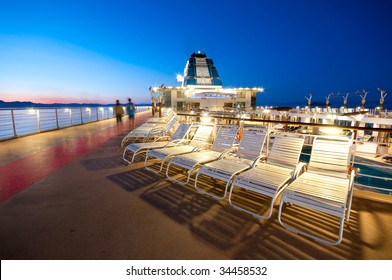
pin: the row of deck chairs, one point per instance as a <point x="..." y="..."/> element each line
<point x="323" y="185"/>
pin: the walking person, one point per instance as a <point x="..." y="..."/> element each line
<point x="131" y="109"/>
<point x="118" y="111"/>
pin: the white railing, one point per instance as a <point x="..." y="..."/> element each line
<point x="19" y="122"/>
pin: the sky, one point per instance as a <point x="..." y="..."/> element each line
<point x="84" y="51"/>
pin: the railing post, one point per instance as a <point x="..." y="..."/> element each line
<point x="13" y="123"/>
<point x="81" y="115"/>
<point x="57" y="119"/>
<point x="38" y="121"/>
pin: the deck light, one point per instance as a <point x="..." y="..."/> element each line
<point x="358" y="117"/>
<point x="331" y="131"/>
<point x="179" y="78"/>
<point x="205" y="119"/>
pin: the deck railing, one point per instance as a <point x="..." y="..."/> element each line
<point x="18" y="122"/>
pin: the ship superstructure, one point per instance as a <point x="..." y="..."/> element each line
<point x="202" y="89"/>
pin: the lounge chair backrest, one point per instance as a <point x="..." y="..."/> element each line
<point x="225" y="138"/>
<point x="172" y="125"/>
<point x="169" y="116"/>
<point x="166" y="127"/>
<point x="202" y="138"/>
<point x="286" y="150"/>
<point x="330" y="156"/>
<point x="252" y="142"/>
<point x="181" y="132"/>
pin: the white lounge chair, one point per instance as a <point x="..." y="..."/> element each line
<point x="139" y="148"/>
<point x="248" y="155"/>
<point x="326" y="186"/>
<point x="149" y="131"/>
<point x="270" y="177"/>
<point x="223" y="143"/>
<point x="167" y="113"/>
<point x="201" y="140"/>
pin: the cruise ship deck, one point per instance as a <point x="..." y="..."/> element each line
<point x="67" y="194"/>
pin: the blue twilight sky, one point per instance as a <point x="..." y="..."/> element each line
<point x="99" y="51"/>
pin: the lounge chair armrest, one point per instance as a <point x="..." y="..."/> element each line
<point x="183" y="142"/>
<point x="156" y="135"/>
<point x="160" y="138"/>
<point x="352" y="176"/>
<point x="159" y="126"/>
<point x="301" y="167"/>
<point x="257" y="160"/>
<point x="234" y="148"/>
<point x="157" y="130"/>
<point x="178" y="142"/>
<point x="207" y="146"/>
<point x="227" y="151"/>
<point x="350" y="194"/>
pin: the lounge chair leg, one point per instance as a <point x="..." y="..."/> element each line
<point x="298" y="231"/>
<point x="236" y="206"/>
<point x="189" y="174"/>
<point x="207" y="193"/>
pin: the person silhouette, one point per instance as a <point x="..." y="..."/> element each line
<point x="118" y="111"/>
<point x="131" y="109"/>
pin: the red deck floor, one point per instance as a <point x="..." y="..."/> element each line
<point x="21" y="173"/>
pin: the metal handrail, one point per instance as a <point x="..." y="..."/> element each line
<point x="16" y="122"/>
